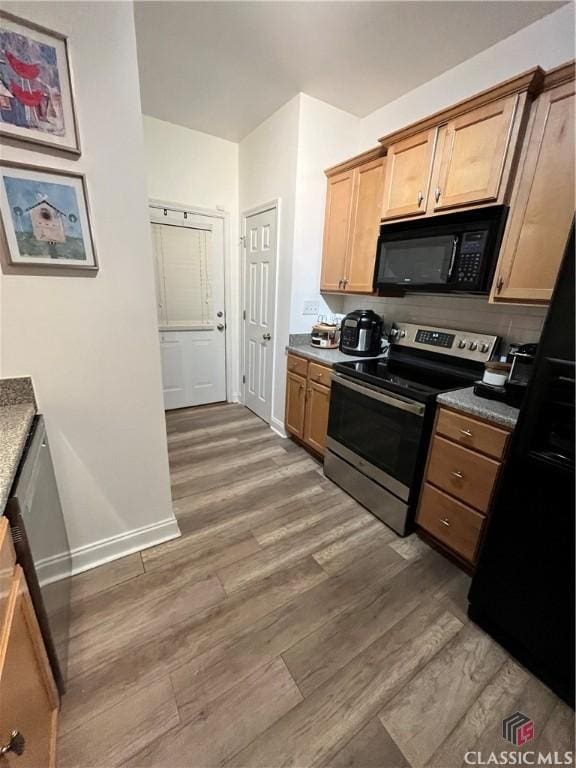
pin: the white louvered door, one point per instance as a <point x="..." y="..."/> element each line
<point x="189" y="270"/>
<point x="259" y="298"/>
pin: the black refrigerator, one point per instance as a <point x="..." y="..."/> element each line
<point x="523" y="590"/>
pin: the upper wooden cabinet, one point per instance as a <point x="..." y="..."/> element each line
<point x="542" y="205"/>
<point x="472" y="156"/>
<point x="461" y="157"/>
<point x="352" y="223"/>
<point x="408" y="171"/>
<point x="336" y="229"/>
<point x="364" y="226"/>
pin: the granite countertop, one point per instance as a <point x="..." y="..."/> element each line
<point x="17" y="411"/>
<point x="299" y="344"/>
<point x="492" y="410"/>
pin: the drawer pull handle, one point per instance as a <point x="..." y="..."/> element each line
<point x="466" y="432"/>
<point x="16" y="744"/>
<point x="457" y="474"/>
<point x="445" y="521"/>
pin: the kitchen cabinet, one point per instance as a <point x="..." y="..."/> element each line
<point x="408" y="172"/>
<point x="316" y="419"/>
<point x="542" y="204"/>
<point x="28" y="696"/>
<point x="336" y="230"/>
<point x="464" y="463"/>
<point x="308" y="401"/>
<point x="461" y="157"/>
<point x="472" y="155"/>
<point x="352" y="223"/>
<point x="295" y="404"/>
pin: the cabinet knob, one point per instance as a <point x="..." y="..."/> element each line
<point x="466" y="432"/>
<point x="420" y="198"/>
<point x="457" y="474"/>
<point x="445" y="521"/>
<point x="16" y="744"/>
<point x="437" y="194"/>
<point x="499" y="284"/>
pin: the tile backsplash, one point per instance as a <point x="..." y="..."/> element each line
<point x="466" y="313"/>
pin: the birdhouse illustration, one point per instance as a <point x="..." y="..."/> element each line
<point x="47" y="222"/>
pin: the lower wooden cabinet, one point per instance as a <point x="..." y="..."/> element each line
<point x="307" y="401"/>
<point x="295" y="404"/>
<point x="316" y="419"/>
<point x="28" y="696"/>
<point x="464" y="463"/>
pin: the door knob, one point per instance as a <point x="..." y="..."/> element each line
<point x="220" y="326"/>
<point x="266" y="336"/>
<point x="16" y="744"/>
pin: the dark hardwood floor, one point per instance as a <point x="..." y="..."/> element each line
<point x="287" y="627"/>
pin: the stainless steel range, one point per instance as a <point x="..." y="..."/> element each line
<point x="381" y="414"/>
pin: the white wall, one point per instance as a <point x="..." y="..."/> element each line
<point x="326" y="135"/>
<point x="199" y="170"/>
<point x="90" y="343"/>
<point x="547" y="43"/>
<point x="268" y="159"/>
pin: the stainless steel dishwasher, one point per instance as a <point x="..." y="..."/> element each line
<point x="42" y="548"/>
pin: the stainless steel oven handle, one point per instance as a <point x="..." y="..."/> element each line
<point x="368" y="391"/>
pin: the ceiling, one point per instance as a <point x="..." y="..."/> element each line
<point x="224" y="67"/>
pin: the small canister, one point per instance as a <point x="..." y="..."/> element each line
<point x="496" y="374"/>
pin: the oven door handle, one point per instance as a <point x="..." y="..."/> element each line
<point x="367" y="391"/>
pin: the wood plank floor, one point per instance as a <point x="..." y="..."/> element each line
<point x="286" y="627"/>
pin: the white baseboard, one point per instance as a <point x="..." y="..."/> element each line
<point x="236" y="397"/>
<point x="104" y="551"/>
<point x="277" y="426"/>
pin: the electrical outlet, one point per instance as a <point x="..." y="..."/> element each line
<point x="311" y="308"/>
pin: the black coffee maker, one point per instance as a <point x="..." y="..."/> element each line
<point x="361" y="333"/>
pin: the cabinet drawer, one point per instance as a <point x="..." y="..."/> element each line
<point x="452" y="523"/>
<point x="462" y="473"/>
<point x="297" y="365"/>
<point x="320" y="374"/>
<point x="472" y="433"/>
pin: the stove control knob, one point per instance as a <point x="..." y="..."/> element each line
<point x="485" y="347"/>
<point x="394" y="332"/>
<point x="402" y="334"/>
<point x="462" y="344"/>
<point x="472" y="346"/>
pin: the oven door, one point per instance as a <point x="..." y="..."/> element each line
<point x="376" y="431"/>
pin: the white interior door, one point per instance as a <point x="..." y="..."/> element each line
<point x="259" y="303"/>
<point x="189" y="268"/>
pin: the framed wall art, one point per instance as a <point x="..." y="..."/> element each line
<point x="46" y="217"/>
<point x="36" y="98"/>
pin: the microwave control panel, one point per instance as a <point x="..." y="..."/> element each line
<point x="469" y="264"/>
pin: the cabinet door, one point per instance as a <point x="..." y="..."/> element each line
<point x="408" y="171"/>
<point x="473" y="155"/>
<point x="364" y="226"/>
<point x="336" y="230"/>
<point x="316" y="422"/>
<point x="295" y="404"/>
<point x="542" y="205"/>
<point x="28" y="698"/>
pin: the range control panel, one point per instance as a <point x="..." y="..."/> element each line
<point x="466" y="344"/>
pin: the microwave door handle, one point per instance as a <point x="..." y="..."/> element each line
<point x="452" y="258"/>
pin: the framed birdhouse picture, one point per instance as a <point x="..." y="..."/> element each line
<point x="45" y="217"/>
<point x="36" y="99"/>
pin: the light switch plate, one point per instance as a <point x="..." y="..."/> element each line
<point x="311" y="308"/>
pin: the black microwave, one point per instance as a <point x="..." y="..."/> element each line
<point x="455" y="252"/>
